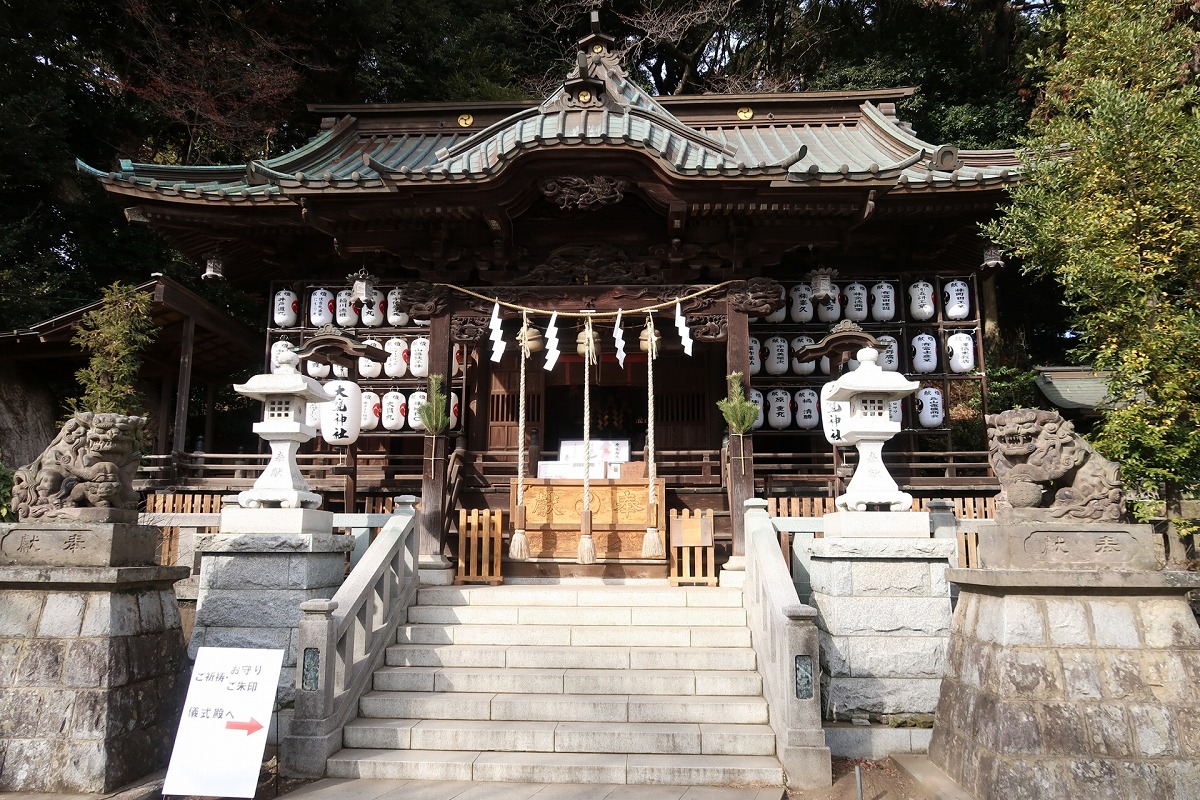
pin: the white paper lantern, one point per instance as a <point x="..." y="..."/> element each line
<point x="957" y="298"/>
<point x="802" y="367"/>
<point x="424" y="323"/>
<point x="320" y="307"/>
<point x="756" y="397"/>
<point x="889" y="359"/>
<point x="779" y="408"/>
<point x="341" y="417"/>
<point x="920" y="300"/>
<point x="344" y="311"/>
<point x="778" y="357"/>
<point x="373" y="311"/>
<point x="775" y="317"/>
<point x="396" y="365"/>
<point x="395" y="316"/>
<point x="883" y="302"/>
<point x="851" y="364"/>
<point x="286" y="312"/>
<point x="930" y="412"/>
<point x="372" y="408"/>
<point x="924" y="353"/>
<point x="456" y="360"/>
<point x="960" y="352"/>
<point x="834" y="415"/>
<point x="394" y="409"/>
<point x="800" y="305"/>
<point x="312" y="415"/>
<point x="856" y="302"/>
<point x="830" y="310"/>
<point x="418" y="360"/>
<point x="316" y="369"/>
<point x="341" y="372"/>
<point x="368" y="368"/>
<point x="415" y="401"/>
<point x="455" y="409"/>
<point x="280" y="352"/>
<point x="825" y="365"/>
<point x="808" y="409"/>
<point x="895" y="412"/>
<point x="755" y="355"/>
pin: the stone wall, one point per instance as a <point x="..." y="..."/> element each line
<point x="1053" y="695"/>
<point x="92" y="681"/>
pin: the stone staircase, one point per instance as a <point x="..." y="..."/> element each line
<point x="567" y="684"/>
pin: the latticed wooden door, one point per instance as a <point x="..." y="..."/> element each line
<point x="504" y="400"/>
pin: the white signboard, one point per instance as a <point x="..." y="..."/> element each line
<point x="219" y="748"/>
<point x="571" y="450"/>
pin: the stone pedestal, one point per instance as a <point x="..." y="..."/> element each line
<point x="254" y="574"/>
<point x="884" y="620"/>
<point x="1074" y="679"/>
<point x="877" y="524"/>
<point x="93" y="669"/>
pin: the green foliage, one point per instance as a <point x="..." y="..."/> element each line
<point x="1109" y="209"/>
<point x="114" y="335"/>
<point x="739" y="413"/>
<point x="434" y="415"/>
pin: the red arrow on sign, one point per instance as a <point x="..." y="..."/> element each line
<point x="249" y="727"/>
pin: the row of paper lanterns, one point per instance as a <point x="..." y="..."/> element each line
<point x="780" y="408"/>
<point x="402" y="360"/>
<point x="327" y="308"/>
<point x="776" y="355"/>
<point x="857" y="303"/>
<point x="354" y="411"/>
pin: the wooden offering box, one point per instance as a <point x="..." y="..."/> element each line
<point x="554" y="507"/>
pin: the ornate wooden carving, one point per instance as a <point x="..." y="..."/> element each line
<point x="422" y="300"/>
<point x="756" y="297"/>
<point x="468" y="329"/>
<point x="577" y="193"/>
<point x="588" y="265"/>
<point x="709" y="327"/>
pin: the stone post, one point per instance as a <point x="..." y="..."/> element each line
<point x="93" y="669"/>
<point x="254" y="574"/>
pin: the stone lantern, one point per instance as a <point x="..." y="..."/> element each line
<point x="856" y="406"/>
<point x="283" y="395"/>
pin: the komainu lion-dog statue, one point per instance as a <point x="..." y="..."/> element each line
<point x="90" y="464"/>
<point x="1047" y="472"/>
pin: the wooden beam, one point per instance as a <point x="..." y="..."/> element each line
<point x="183" y="386"/>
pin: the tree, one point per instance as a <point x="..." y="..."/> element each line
<point x="1109" y="207"/>
<point x="114" y="335"/>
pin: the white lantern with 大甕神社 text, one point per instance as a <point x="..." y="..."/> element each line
<point x="285" y="395"/>
<point x="341" y="417"/>
<point x="865" y="419"/>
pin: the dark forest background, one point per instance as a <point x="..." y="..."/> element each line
<point x="211" y="81"/>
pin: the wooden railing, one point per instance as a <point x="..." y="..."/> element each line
<point x="966" y="506"/>
<point x="784" y="634"/>
<point x="343" y="641"/>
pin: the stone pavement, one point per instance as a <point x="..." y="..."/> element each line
<point x="364" y="789"/>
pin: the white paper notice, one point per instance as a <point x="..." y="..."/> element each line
<point x="219" y="748"/>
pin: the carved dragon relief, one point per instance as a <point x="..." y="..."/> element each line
<point x="756" y="297"/>
<point x="421" y="300"/>
<point x="709" y="327"/>
<point x="588" y="265"/>
<point x="468" y="329"/>
<point x="577" y="193"/>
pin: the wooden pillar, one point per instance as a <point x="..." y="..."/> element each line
<point x="741" y="455"/>
<point x="183" y="386"/>
<point x="210" y="404"/>
<point x="433" y="476"/>
<point x="162" y="443"/>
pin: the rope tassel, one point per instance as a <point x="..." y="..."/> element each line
<point x="587" y="548"/>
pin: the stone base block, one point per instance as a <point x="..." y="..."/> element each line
<point x="276" y="520"/>
<point x="875" y="742"/>
<point x="877" y="524"/>
<point x="78" y="544"/>
<point x="1071" y="546"/>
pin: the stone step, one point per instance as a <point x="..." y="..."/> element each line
<point x="658" y="597"/>
<point x="564" y="707"/>
<point x="542" y="767"/>
<point x="575" y="615"/>
<point x="567" y="657"/>
<point x="561" y="737"/>
<point x="576" y="636"/>
<point x="567" y="681"/>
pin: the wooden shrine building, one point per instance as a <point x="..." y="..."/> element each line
<point x="725" y="208"/>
